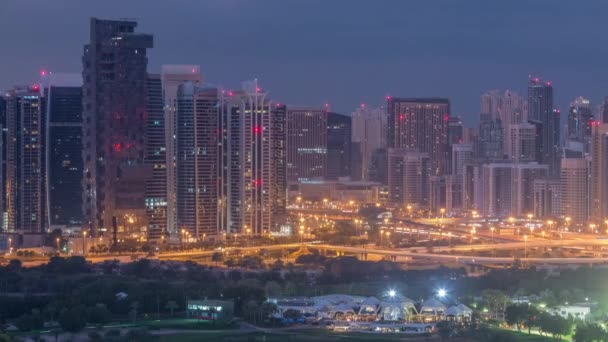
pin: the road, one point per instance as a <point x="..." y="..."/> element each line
<point x="413" y="253"/>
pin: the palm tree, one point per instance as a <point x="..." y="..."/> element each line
<point x="217" y="257"/>
<point x="171" y="305"/>
<point x="133" y="311"/>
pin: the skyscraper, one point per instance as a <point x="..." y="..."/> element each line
<point x="509" y="188"/>
<point x="306" y="143"/>
<point x="172" y="76"/>
<point x="421" y="124"/>
<point x="247" y="174"/>
<point x="599" y="170"/>
<point x="541" y="111"/>
<point x="603" y="111"/>
<point x="509" y="107"/>
<point x="521" y="142"/>
<point x="114" y="122"/>
<point x="63" y="148"/>
<point x="462" y="155"/>
<point x="4" y="131"/>
<point x="455" y="130"/>
<point x="25" y="160"/>
<point x="198" y="111"/>
<point x="580" y="118"/>
<point x="369" y="130"/>
<point x="278" y="187"/>
<point x="490" y="142"/>
<point x="408" y="177"/>
<point x="338" y="145"/>
<point x="155" y="159"/>
<point x="575" y="188"/>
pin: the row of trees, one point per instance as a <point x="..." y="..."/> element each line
<point x="530" y="317"/>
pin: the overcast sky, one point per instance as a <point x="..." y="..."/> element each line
<point x="344" y="52"/>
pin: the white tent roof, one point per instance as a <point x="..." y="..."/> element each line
<point x="432" y="304"/>
<point x="370" y="301"/>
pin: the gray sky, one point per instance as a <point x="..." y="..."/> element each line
<point x="344" y="52"/>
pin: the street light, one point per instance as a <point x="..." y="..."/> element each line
<point x="592" y="227"/>
<point x="84" y="243"/>
<point x="567" y="222"/>
<point x="441" y="293"/>
<point x="492" y="230"/>
<point x="525" y="246"/>
<point x="58" y="249"/>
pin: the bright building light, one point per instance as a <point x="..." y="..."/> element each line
<point x="391" y="293"/>
<point x="441" y="293"/>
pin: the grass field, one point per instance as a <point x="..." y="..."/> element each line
<point x="308" y="335"/>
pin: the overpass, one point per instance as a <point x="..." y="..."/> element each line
<point x="417" y="253"/>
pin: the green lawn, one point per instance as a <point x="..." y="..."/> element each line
<point x="523" y="336"/>
<point x="307" y="335"/>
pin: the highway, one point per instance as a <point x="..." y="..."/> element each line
<point x="404" y="254"/>
<point x="419" y="254"/>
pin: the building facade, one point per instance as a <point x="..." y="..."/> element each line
<point x="306" y="143"/>
<point x="599" y="170"/>
<point x="156" y="160"/>
<point x="369" y="130"/>
<point x="114" y="123"/>
<point x="409" y="173"/>
<point x="521" y="142"/>
<point x="338" y="146"/>
<point x="198" y="112"/>
<point x="509" y="188"/>
<point x="247" y="170"/>
<point x="25" y="187"/>
<point x="575" y="187"/>
<point x="541" y="111"/>
<point x="421" y="123"/>
<point x="172" y="76"/>
<point x="580" y="118"/>
<point x="63" y="148"/>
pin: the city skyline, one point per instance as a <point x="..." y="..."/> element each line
<point x="439" y="61"/>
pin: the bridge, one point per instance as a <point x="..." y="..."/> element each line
<point x="417" y="253"/>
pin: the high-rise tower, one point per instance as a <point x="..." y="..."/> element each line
<point x="198" y="111"/>
<point x="541" y="111"/>
<point x="63" y="148"/>
<point x="172" y="76"/>
<point x="25" y="161"/>
<point x="421" y="124"/>
<point x="306" y="143"/>
<point x="114" y="123"/>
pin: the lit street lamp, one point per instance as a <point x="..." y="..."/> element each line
<point x="492" y="230"/>
<point x="84" y="243"/>
<point x="58" y="249"/>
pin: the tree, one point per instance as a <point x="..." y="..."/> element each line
<point x="555" y="325"/>
<point x="531" y="319"/>
<point x="292" y="314"/>
<point x="249" y="310"/>
<point x="445" y="329"/>
<point x="217" y="257"/>
<point x="496" y="301"/>
<point x="171" y="306"/>
<point x="99" y="314"/>
<point x="589" y="332"/>
<point x="515" y="315"/>
<point x="72" y="320"/>
<point x="267" y="309"/>
<point x="133" y="312"/>
<point x="14" y="265"/>
<point x="32" y="321"/>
